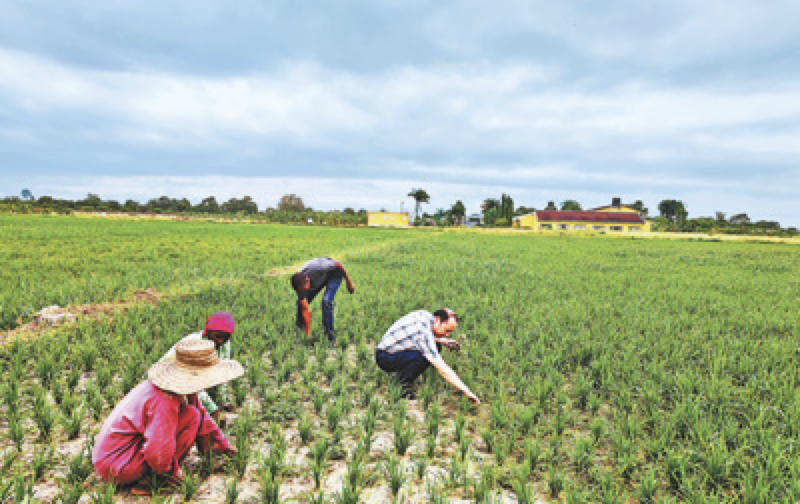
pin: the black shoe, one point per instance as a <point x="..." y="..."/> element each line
<point x="409" y="394"/>
<point x="331" y="336"/>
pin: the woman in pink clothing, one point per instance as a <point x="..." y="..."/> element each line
<point x="155" y="425"/>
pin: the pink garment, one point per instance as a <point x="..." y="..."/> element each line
<point x="220" y="321"/>
<point x="152" y="429"/>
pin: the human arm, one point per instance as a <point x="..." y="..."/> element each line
<point x="350" y="287"/>
<point x="306" y="313"/>
<point x="448" y="374"/>
<point x="224" y="353"/>
<point x="209" y="430"/>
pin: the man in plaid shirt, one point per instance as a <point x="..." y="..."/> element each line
<point x="413" y="343"/>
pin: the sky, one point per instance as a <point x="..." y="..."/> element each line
<point x="354" y="104"/>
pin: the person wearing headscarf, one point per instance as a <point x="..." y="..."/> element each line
<point x="218" y="329"/>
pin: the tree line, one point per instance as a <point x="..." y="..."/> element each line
<point x="494" y="212"/>
<point x="290" y="209"/>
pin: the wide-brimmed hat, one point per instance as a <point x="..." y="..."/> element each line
<point x="196" y="367"/>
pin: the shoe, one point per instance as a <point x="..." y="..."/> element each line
<point x="331" y="336"/>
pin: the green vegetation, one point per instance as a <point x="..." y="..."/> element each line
<point x="612" y="370"/>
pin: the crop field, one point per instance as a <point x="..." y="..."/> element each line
<point x="611" y="370"/>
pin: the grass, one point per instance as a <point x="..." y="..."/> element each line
<point x="611" y="370"/>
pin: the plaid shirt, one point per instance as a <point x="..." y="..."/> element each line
<point x="412" y="332"/>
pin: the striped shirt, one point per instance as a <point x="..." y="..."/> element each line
<point x="412" y="332"/>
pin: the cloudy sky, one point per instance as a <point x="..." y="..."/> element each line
<point x="356" y="103"/>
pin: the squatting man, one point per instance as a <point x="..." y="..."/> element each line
<point x="413" y="343"/>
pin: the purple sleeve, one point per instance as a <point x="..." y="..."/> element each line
<point x="208" y="427"/>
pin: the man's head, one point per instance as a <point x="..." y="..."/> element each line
<point x="445" y="321"/>
<point x="301" y="282"/>
<point x="219" y="328"/>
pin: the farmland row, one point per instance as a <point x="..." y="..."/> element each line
<point x="611" y="370"/>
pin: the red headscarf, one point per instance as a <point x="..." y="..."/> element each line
<point x="220" y="321"/>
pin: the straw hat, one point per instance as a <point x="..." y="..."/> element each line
<point x="196" y="367"/>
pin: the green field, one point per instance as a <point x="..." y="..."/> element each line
<point x="610" y="369"/>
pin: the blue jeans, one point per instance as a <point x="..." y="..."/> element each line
<point x="408" y="365"/>
<point x="327" y="305"/>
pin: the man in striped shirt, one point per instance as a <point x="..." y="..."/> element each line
<point x="413" y="343"/>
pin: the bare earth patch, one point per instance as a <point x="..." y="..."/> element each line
<point x="51" y="317"/>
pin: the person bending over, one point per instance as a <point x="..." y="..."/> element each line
<point x="413" y="343"/>
<point x="309" y="281"/>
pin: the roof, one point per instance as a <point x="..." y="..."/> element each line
<point x="580" y="216"/>
<point x="614" y="206"/>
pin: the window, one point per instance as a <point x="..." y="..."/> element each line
<point x="563" y="227"/>
<point x="616" y="228"/>
<point x="598" y="228"/>
<point x="634" y="228"/>
<point x="579" y="227"/>
<point x="546" y="227"/>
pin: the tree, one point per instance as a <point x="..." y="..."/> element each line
<point x="506" y="210"/>
<point x="740" y="219"/>
<point x="26" y="194"/>
<point x="244" y="205"/>
<point x="571" y="205"/>
<point x="721" y="217"/>
<point x="91" y="200"/>
<point x="489" y="204"/>
<point x="291" y="203"/>
<point x="490" y="216"/>
<point x="523" y="210"/>
<point x="458" y="211"/>
<point x="208" y="205"/>
<point x="638" y="205"/>
<point x="131" y="206"/>
<point x="420" y="196"/>
<point x="551" y="206"/>
<point x="674" y="210"/>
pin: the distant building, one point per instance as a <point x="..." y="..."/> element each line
<point x="473" y="220"/>
<point x="615" y="218"/>
<point x="388" y="219"/>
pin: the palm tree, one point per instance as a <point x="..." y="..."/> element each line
<point x="420" y="196"/>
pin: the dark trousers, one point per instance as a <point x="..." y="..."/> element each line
<point x="408" y="365"/>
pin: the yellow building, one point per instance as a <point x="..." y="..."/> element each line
<point x="597" y="221"/>
<point x="390" y="219"/>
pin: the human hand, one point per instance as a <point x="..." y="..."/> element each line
<point x="351" y="288"/>
<point x="472" y="398"/>
<point x="449" y="343"/>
